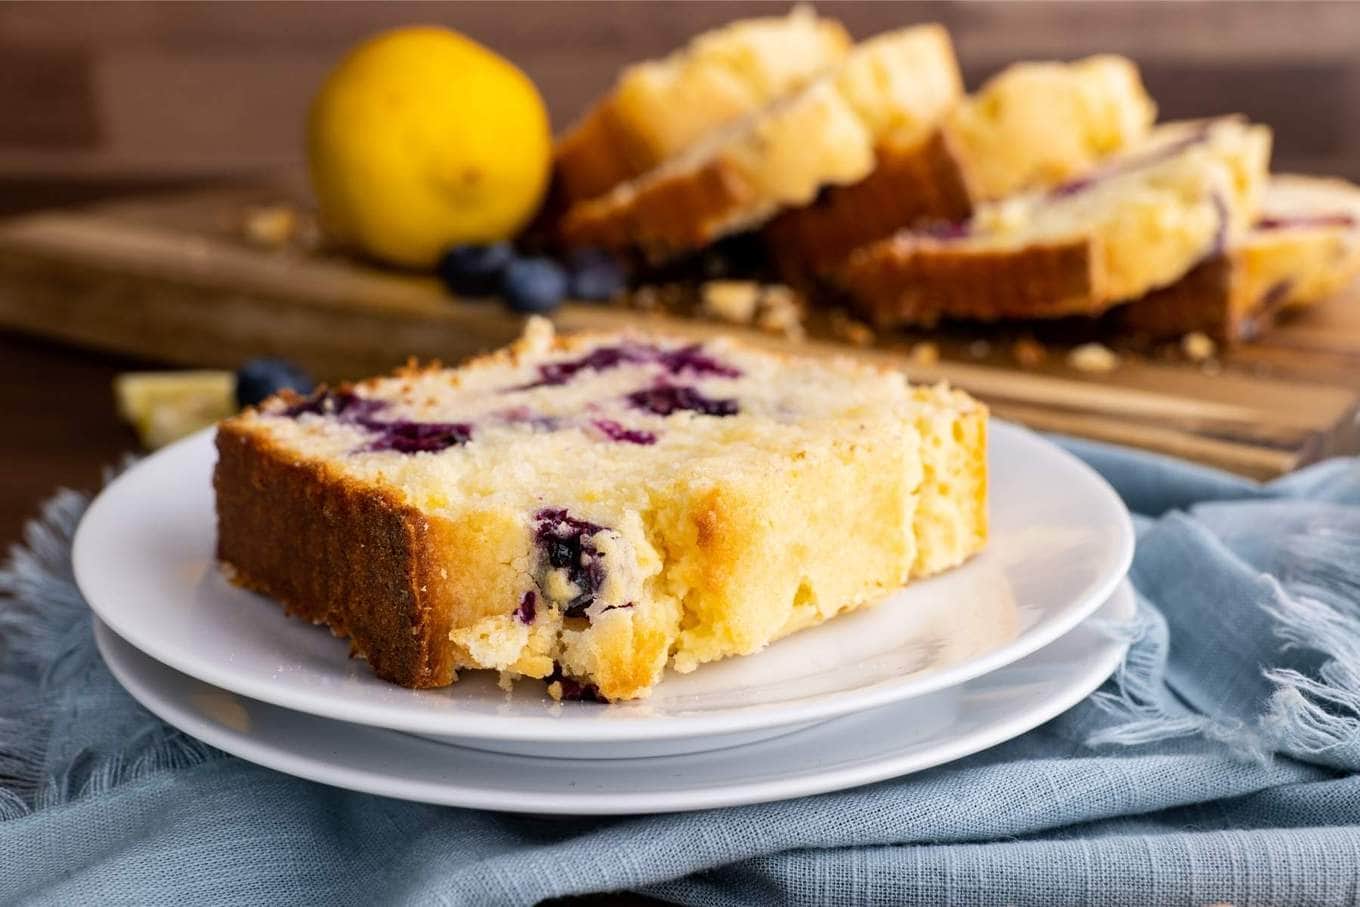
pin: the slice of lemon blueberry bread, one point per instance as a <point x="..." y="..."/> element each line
<point x="1139" y="222"/>
<point x="658" y="108"/>
<point x="1304" y="247"/>
<point x="900" y="83"/>
<point x="591" y="509"/>
<point x="1040" y="124"/>
<point x="1032" y="125"/>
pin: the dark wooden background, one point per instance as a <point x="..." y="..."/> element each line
<point x="99" y="99"/>
<point x="98" y="94"/>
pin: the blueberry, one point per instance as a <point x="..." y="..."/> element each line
<point x="474" y="270"/>
<point x="568" y="544"/>
<point x="573" y="690"/>
<point x="596" y="276"/>
<point x="416" y="437"/>
<point x="534" y="285"/>
<point x="261" y="378"/>
<point x="527" y="609"/>
<point x="664" y="399"/>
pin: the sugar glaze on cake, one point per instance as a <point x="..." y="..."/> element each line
<point x="592" y="509"/>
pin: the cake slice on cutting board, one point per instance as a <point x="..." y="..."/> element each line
<point x="1304" y="247"/>
<point x="1138" y="223"/>
<point x="1033" y="125"/>
<point x="825" y="134"/>
<point x="658" y="108"/>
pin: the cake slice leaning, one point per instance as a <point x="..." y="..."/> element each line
<point x="591" y="509"/>
<point x="658" y="108"/>
<point x="899" y="83"/>
<point x="1140" y="222"/>
<point x="1303" y="248"/>
<point x="1033" y="125"/>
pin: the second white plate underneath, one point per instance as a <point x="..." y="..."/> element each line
<point x="845" y="752"/>
<point x="1061" y="540"/>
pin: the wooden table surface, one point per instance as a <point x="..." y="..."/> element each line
<point x="58" y="404"/>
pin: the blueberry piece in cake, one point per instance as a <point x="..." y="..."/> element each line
<point x="614" y="431"/>
<point x="664" y="398"/>
<point x="573" y="567"/>
<point x="474" y="270"/>
<point x="261" y="378"/>
<point x="595" y="509"/>
<point x="528" y="607"/>
<point x="414" y="437"/>
<point x="567" y="689"/>
<point x="341" y="404"/>
<point x="534" y="285"/>
<point x="676" y="360"/>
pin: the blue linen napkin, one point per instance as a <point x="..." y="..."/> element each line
<point x="1221" y="764"/>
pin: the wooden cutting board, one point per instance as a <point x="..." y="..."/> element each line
<point x="172" y="279"/>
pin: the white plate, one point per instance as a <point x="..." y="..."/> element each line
<point x="858" y="749"/>
<point x="1061" y="541"/>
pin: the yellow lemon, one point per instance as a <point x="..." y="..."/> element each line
<point x="422" y="139"/>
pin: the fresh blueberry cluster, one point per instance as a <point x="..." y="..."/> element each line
<point x="531" y="284"/>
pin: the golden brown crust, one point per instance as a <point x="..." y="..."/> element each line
<point x="599" y="153"/>
<point x="657" y="108"/>
<point x="1215" y="299"/>
<point x="291" y="530"/>
<point x="917" y="281"/>
<point x="913" y="183"/>
<point x="781" y="154"/>
<point x="1203" y="300"/>
<point x="664" y="217"/>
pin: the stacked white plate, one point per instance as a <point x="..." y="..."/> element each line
<point x="937" y="671"/>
